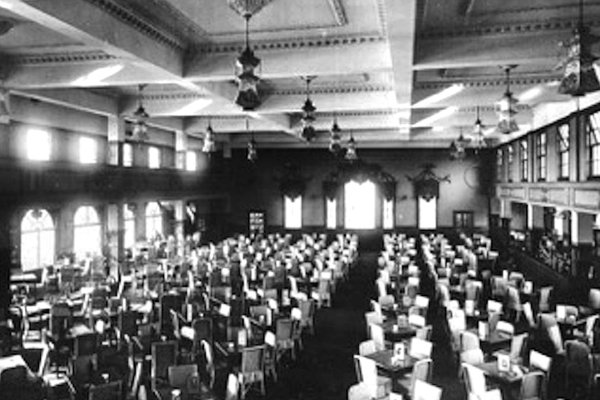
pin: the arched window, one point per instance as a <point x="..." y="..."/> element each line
<point x="129" y="223"/>
<point x="359" y="200"/>
<point x="87" y="232"/>
<point x="154" y="223"/>
<point x="37" y="240"/>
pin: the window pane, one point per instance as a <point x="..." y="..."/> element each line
<point x="293" y="212"/>
<point x="87" y="233"/>
<point x="191" y="161"/>
<point x="331" y="214"/>
<point x="127" y="155"/>
<point x="153" y="157"/>
<point x="37" y="239"/>
<point x="129" y="226"/>
<point x="388" y="214"/>
<point x="154" y="225"/>
<point x="427" y="213"/>
<point x="359" y="205"/>
<point x="563" y="151"/>
<point x="88" y="150"/>
<point x="38" y="145"/>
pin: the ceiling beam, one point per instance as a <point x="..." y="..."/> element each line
<point x="78" y="99"/>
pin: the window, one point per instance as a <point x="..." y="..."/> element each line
<point x="38" y="145"/>
<point x="127" y="155"/>
<point x="524" y="157"/>
<point x="511" y="158"/>
<point x="359" y="201"/>
<point x="129" y="225"/>
<point x="88" y="150"/>
<point x="499" y="164"/>
<point x="154" y="221"/>
<point x="153" y="157"/>
<point x="427" y="213"/>
<point x="37" y="240"/>
<point x="292" y="218"/>
<point x="388" y="213"/>
<point x="331" y="210"/>
<point x="540" y="153"/>
<point x="463" y="219"/>
<point x="87" y="232"/>
<point x="191" y="161"/>
<point x="563" y="151"/>
<point x="593" y="141"/>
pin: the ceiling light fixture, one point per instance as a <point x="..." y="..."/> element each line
<point x="252" y="152"/>
<point x="209" y="145"/>
<point x="458" y="148"/>
<point x="247" y="63"/>
<point x="335" y="145"/>
<point x="441" y="95"/>
<point x="506" y="107"/>
<point x="308" y="132"/>
<point x="579" y="75"/>
<point x="478" y="135"/>
<point x="351" y="150"/>
<point x="140" y="118"/>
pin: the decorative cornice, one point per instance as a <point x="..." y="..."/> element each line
<point x="516" y="28"/>
<point x="62" y="58"/>
<point x="488" y="108"/>
<point x="294" y="44"/>
<point x="331" y="90"/>
<point x="382" y="15"/>
<point x="140" y="24"/>
<point x="491" y="82"/>
<point x="338" y="12"/>
<point x="173" y="96"/>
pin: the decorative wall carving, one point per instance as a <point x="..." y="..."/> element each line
<point x="427" y="183"/>
<point x="359" y="171"/>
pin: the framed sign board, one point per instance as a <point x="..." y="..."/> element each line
<point x="256" y="222"/>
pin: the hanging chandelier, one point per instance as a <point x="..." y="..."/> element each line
<point x="247" y="62"/>
<point x="252" y="151"/>
<point x="209" y="145"/>
<point x="478" y="137"/>
<point x="335" y="145"/>
<point x="351" y="150"/>
<point x="140" y="118"/>
<point x="458" y="148"/>
<point x="579" y="74"/>
<point x="308" y="132"/>
<point x="507" y="107"/>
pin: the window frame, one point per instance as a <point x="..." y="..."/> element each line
<point x="41" y="141"/>
<point x="541" y="151"/>
<point x="524" y="159"/>
<point x="84" y="141"/>
<point x="593" y="144"/>
<point x="151" y="159"/>
<point x="287" y="223"/>
<point x="127" y="159"/>
<point x="39" y="232"/>
<point x="510" y="150"/>
<point x="563" y="149"/>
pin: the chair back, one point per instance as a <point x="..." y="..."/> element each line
<point x="180" y="375"/>
<point x="505" y="327"/>
<point x="85" y="345"/>
<point x="473" y="356"/>
<point x="368" y="374"/>
<point x="594" y="299"/>
<point x="420" y="348"/>
<point x="469" y="341"/>
<point x="528" y="312"/>
<point x="474" y="379"/>
<point x="283" y="329"/>
<point x="539" y="361"/>
<point x="233" y="388"/>
<point x="517" y="345"/>
<point x="377" y="335"/>
<point x="494" y="394"/>
<point x="532" y="385"/>
<point x="253" y="359"/>
<point x="424" y="332"/>
<point x="422" y="371"/>
<point x="367" y="347"/>
<point x="426" y="391"/>
<point x="164" y="354"/>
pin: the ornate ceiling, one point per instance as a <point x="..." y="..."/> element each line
<point x="376" y="62"/>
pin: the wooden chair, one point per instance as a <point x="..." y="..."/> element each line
<point x="366" y="371"/>
<point x="252" y="370"/>
<point x="232" y="389"/>
<point x="422" y="371"/>
<point x="106" y="391"/>
<point x="285" y="342"/>
<point x="426" y="391"/>
<point x="533" y="386"/>
<point x="164" y="354"/>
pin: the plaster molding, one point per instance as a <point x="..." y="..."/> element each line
<point x="530" y="27"/>
<point x="339" y="12"/>
<point x="487" y="82"/>
<point x="63" y="58"/>
<point x="331" y="90"/>
<point x="294" y="43"/>
<point x="173" y="96"/>
<point x="140" y="24"/>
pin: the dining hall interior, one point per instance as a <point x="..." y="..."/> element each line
<point x="304" y="200"/>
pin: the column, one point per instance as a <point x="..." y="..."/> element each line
<point x="6" y="258"/>
<point x="178" y="226"/>
<point x="116" y="136"/>
<point x="574" y="228"/>
<point x="181" y="147"/>
<point x="559" y="223"/>
<point x="529" y="217"/>
<point x="114" y="234"/>
<point x="140" y="221"/>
